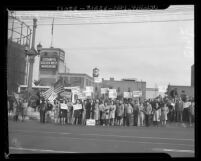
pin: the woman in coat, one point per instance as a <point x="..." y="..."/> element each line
<point x="106" y="111"/>
<point x="141" y="114"/>
<point x="164" y="112"/>
<point x="112" y="113"/>
<point x="96" y="112"/>
<point x="157" y="114"/>
<point x="101" y="112"/>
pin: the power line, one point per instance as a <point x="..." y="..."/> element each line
<point x="94" y="23"/>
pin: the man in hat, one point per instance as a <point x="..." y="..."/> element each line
<point x="43" y="107"/>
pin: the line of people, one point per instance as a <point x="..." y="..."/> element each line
<point x="118" y="112"/>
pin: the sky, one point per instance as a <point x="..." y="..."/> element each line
<point x="156" y="52"/>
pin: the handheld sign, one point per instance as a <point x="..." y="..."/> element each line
<point x="90" y="122"/>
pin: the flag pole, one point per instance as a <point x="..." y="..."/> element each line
<point x="52" y="32"/>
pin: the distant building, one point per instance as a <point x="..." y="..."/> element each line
<point x="152" y="93"/>
<point x="52" y="62"/>
<point x="124" y="85"/>
<point x="192" y="75"/>
<point x="187" y="90"/>
<point x="77" y="79"/>
<point x="16" y="66"/>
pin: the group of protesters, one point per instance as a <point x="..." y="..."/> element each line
<point x="18" y="108"/>
<point x="126" y="112"/>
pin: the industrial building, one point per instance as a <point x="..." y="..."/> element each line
<point x="124" y="85"/>
<point x="77" y="80"/>
<point x="152" y="93"/>
<point x="52" y="62"/>
<point x="184" y="90"/>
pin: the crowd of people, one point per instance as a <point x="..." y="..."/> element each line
<point x="126" y="112"/>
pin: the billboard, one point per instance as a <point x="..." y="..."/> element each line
<point x="48" y="63"/>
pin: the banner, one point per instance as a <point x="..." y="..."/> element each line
<point x="137" y="93"/>
<point x="112" y="93"/>
<point x="127" y="94"/>
<point x="104" y="90"/>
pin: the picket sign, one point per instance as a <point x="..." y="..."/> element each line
<point x="112" y="93"/>
<point x="90" y="122"/>
<point x="64" y="106"/>
<point x="127" y="94"/>
<point x="104" y="90"/>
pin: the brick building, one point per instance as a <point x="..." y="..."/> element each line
<point x="124" y="85"/>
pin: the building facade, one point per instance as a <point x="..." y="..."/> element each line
<point x="152" y="93"/>
<point x="187" y="90"/>
<point x="52" y="62"/>
<point x="124" y="85"/>
<point x="77" y="80"/>
<point x="16" y="66"/>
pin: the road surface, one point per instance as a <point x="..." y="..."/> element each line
<point x="33" y="137"/>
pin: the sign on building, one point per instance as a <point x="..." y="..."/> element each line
<point x="112" y="93"/>
<point x="48" y="63"/>
<point x="104" y="90"/>
<point x="62" y="56"/>
<point x="137" y="93"/>
<point x="127" y="94"/>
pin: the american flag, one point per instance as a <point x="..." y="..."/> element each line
<point x="57" y="88"/>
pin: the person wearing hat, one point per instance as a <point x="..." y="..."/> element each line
<point x="112" y="113"/>
<point x="42" y="109"/>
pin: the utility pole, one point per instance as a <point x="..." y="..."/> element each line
<point x="32" y="56"/>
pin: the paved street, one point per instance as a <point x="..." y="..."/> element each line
<point x="33" y="137"/>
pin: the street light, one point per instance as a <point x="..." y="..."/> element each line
<point x="31" y="53"/>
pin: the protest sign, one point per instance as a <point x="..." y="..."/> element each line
<point x="104" y="90"/>
<point x="64" y="106"/>
<point x="89" y="89"/>
<point x="81" y="95"/>
<point x="66" y="94"/>
<point x="112" y="93"/>
<point x="77" y="107"/>
<point x="127" y="94"/>
<point x="137" y="93"/>
<point x="90" y="122"/>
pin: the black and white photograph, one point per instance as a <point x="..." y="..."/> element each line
<point x="101" y="81"/>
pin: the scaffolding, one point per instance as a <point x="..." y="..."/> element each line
<point x="18" y="31"/>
